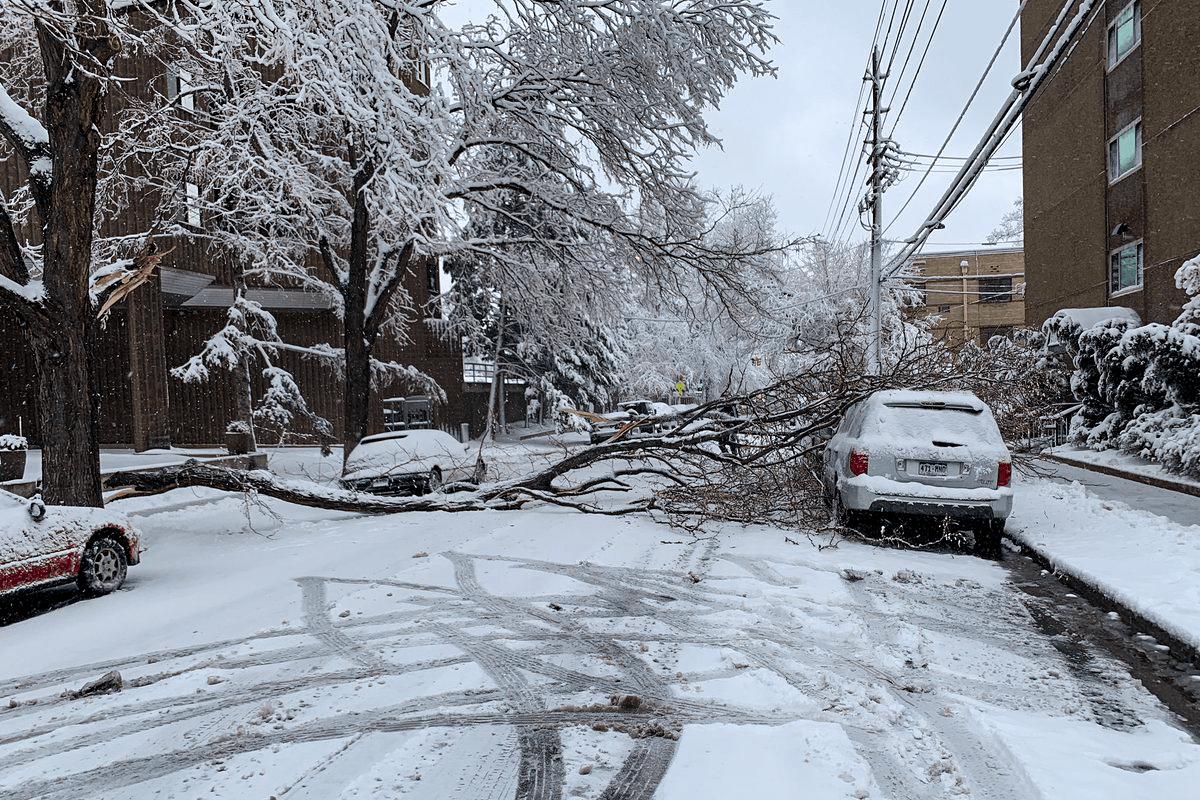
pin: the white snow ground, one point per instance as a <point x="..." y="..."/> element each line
<point x="323" y="655"/>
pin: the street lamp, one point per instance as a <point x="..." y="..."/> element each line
<point x="963" y="266"/>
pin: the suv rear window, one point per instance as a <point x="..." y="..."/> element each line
<point x="911" y="419"/>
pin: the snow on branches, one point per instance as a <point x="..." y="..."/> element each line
<point x="1140" y="386"/>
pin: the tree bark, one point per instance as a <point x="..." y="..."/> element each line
<point x="242" y="382"/>
<point x="193" y="473"/>
<point x="356" y="342"/>
<point x="63" y="347"/>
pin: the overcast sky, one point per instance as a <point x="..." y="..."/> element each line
<point x="786" y="137"/>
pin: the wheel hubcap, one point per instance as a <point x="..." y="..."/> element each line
<point x="107" y="568"/>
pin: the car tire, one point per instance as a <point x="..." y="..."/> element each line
<point x="842" y="516"/>
<point x="433" y="483"/>
<point x="103" y="567"/>
<point x="987" y="539"/>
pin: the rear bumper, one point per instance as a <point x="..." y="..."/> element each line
<point x="893" y="497"/>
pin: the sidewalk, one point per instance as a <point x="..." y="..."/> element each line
<point x="1120" y="465"/>
<point x="1110" y="542"/>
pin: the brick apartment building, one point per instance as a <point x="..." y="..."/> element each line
<point x="166" y="321"/>
<point x="976" y="294"/>
<point x="1110" y="167"/>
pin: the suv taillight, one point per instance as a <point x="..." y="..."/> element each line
<point x="1004" y="473"/>
<point x="858" y="463"/>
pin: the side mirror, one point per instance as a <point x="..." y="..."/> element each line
<point x="36" y="508"/>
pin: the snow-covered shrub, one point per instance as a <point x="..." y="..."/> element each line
<point x="1093" y="425"/>
<point x="10" y="441"/>
<point x="1140" y="386"/>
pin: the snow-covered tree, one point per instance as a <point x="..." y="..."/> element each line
<point x="723" y="335"/>
<point x="59" y="93"/>
<point x="1011" y="228"/>
<point x="357" y="139"/>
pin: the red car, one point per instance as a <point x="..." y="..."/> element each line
<point x="44" y="545"/>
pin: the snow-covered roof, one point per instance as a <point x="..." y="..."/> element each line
<point x="1087" y="318"/>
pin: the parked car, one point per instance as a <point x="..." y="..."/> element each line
<point x="922" y="452"/>
<point x="44" y="545"/>
<point x="409" y="462"/>
<point x="605" y="426"/>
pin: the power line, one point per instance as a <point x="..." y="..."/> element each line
<point x="855" y="122"/>
<point x="974" y="93"/>
<point x="848" y="191"/>
<point x="1025" y="88"/>
<point x="912" y="84"/>
<point x="952" y="158"/>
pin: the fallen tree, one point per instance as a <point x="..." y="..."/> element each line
<point x="750" y="458"/>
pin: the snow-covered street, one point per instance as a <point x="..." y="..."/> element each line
<point x="548" y="654"/>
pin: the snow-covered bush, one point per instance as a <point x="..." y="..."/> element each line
<point x="11" y="441"/>
<point x="1140" y="386"/>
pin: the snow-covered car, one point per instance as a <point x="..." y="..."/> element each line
<point x="922" y="452"/>
<point x="645" y="412"/>
<point x="409" y="462"/>
<point x="43" y="545"/>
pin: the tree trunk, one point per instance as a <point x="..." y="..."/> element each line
<point x="497" y="378"/>
<point x="242" y="383"/>
<point x="357" y="406"/>
<point x="63" y="347"/>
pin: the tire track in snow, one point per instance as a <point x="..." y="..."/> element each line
<point x="316" y="618"/>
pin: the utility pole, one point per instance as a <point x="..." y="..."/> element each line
<point x="875" y="200"/>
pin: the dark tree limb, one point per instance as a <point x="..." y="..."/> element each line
<point x="194" y="473"/>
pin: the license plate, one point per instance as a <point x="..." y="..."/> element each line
<point x="931" y="468"/>
<point x="379" y="483"/>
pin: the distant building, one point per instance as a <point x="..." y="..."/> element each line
<point x="1110" y="168"/>
<point x="975" y="294"/>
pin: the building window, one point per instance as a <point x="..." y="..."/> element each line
<point x="193" y="204"/>
<point x="995" y="290"/>
<point x="1124" y="33"/>
<point x="1125" y="151"/>
<point x="1125" y="268"/>
<point x="179" y="85"/>
<point x="432" y="279"/>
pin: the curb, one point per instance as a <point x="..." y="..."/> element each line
<point x="1149" y="480"/>
<point x="1179" y="649"/>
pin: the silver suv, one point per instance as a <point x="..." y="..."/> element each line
<point x="931" y="453"/>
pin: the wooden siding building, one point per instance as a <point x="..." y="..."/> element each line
<point x="165" y="321"/>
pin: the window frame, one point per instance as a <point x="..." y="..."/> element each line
<point x="181" y="88"/>
<point x="192" y="204"/>
<point x="1114" y="269"/>
<point x="1134" y="8"/>
<point x="1114" y="164"/>
<point x="993" y="296"/>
